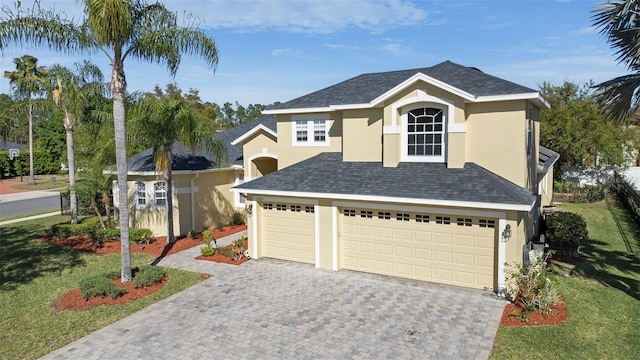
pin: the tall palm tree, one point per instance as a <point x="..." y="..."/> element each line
<point x="619" y="22"/>
<point x="120" y="29"/>
<point x="29" y="79"/>
<point x="70" y="92"/>
<point x="163" y="122"/>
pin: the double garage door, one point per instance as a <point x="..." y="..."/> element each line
<point x="288" y="231"/>
<point x="457" y="250"/>
<point x="449" y="249"/>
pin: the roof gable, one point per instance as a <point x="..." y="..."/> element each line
<point x="369" y="90"/>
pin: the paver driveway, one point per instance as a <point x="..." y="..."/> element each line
<point x="268" y="309"/>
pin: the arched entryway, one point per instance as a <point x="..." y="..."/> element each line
<point x="263" y="165"/>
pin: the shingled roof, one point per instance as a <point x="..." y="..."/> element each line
<point x="367" y="87"/>
<point x="184" y="159"/>
<point x="326" y="175"/>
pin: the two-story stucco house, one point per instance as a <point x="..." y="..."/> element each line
<point x="433" y="174"/>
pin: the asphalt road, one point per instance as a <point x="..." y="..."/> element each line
<point x="33" y="203"/>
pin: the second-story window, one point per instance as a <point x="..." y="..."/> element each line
<point x="425" y="132"/>
<point x="311" y="130"/>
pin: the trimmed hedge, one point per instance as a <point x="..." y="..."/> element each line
<point x="99" y="285"/>
<point x="148" y="275"/>
<point x="565" y="230"/>
<point x="43" y="164"/>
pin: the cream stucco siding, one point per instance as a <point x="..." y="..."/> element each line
<point x="289" y="154"/>
<point x="214" y="200"/>
<point x="362" y="135"/>
<point x="497" y="139"/>
<point x="258" y="146"/>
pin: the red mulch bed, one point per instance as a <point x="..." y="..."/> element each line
<point x="159" y="247"/>
<point x="224" y="259"/>
<point x="73" y="300"/>
<point x="511" y="316"/>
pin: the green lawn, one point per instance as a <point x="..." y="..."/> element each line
<point x="602" y="295"/>
<point x="34" y="274"/>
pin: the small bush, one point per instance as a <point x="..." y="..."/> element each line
<point x="137" y="236"/>
<point x="533" y="287"/>
<point x="220" y="226"/>
<point x="148" y="275"/>
<point x="227" y="251"/>
<point x="239" y="243"/>
<point x="99" y="285"/>
<point x="237" y="219"/>
<point x="207" y="250"/>
<point x="193" y="233"/>
<point x="207" y="236"/>
<point x="63" y="231"/>
<point x="566" y="230"/>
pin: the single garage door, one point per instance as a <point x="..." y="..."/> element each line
<point x="288" y="231"/>
<point x="456" y="250"/>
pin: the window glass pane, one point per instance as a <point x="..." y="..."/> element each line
<point x="420" y="150"/>
<point x="437" y="150"/>
<point x="420" y="139"/>
<point x="429" y="140"/>
<point x="437" y="139"/>
<point x="438" y="127"/>
<point x="412" y="139"/>
<point x="412" y="128"/>
<point x="411" y="150"/>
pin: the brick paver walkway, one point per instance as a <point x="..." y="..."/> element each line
<point x="269" y="309"/>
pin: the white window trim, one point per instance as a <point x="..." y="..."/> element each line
<point x="238" y="196"/>
<point x="136" y="194"/>
<point x="310" y="118"/>
<point x="447" y="115"/>
<point x="166" y="195"/>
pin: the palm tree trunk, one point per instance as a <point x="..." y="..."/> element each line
<point x="32" y="179"/>
<point x="118" y="89"/>
<point x="168" y="178"/>
<point x="71" y="160"/>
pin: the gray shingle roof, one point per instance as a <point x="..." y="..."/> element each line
<point x="184" y="159"/>
<point x="367" y="87"/>
<point x="6" y="145"/>
<point x="326" y="173"/>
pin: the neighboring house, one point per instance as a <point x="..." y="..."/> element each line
<point x="433" y="174"/>
<point x="201" y="186"/>
<point x="7" y="145"/>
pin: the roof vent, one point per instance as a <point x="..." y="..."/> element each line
<point x="476" y="69"/>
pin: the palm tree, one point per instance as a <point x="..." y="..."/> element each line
<point x="619" y="22"/>
<point x="120" y="29"/>
<point x="70" y="92"/>
<point x="163" y="122"/>
<point x="28" y="80"/>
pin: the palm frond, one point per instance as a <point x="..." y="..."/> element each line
<point x="620" y="96"/>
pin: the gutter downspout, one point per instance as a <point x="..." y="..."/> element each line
<point x="193" y="204"/>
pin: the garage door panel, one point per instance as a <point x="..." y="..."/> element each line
<point x="459" y="253"/>
<point x="404" y="270"/>
<point x="404" y="252"/>
<point x="465" y="240"/>
<point x="402" y="234"/>
<point x="287" y="234"/>
<point x="443" y="238"/>
<point x="384" y="233"/>
<point x="422" y="236"/>
<point x="384" y="249"/>
<point x="465" y="259"/>
<point x="368" y="231"/>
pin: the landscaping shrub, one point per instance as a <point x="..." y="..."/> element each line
<point x="99" y="285"/>
<point x="533" y="287"/>
<point x="65" y="230"/>
<point x="220" y="226"/>
<point x="207" y="236"/>
<point x="137" y="236"/>
<point x="148" y="275"/>
<point x="207" y="250"/>
<point x="565" y="230"/>
<point x="237" y="219"/>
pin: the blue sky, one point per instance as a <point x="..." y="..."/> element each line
<point x="277" y="50"/>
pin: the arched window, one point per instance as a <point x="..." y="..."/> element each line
<point x="160" y="194"/>
<point x="425" y="133"/>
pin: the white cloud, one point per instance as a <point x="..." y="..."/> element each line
<point x="285" y="52"/>
<point x="307" y="16"/>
